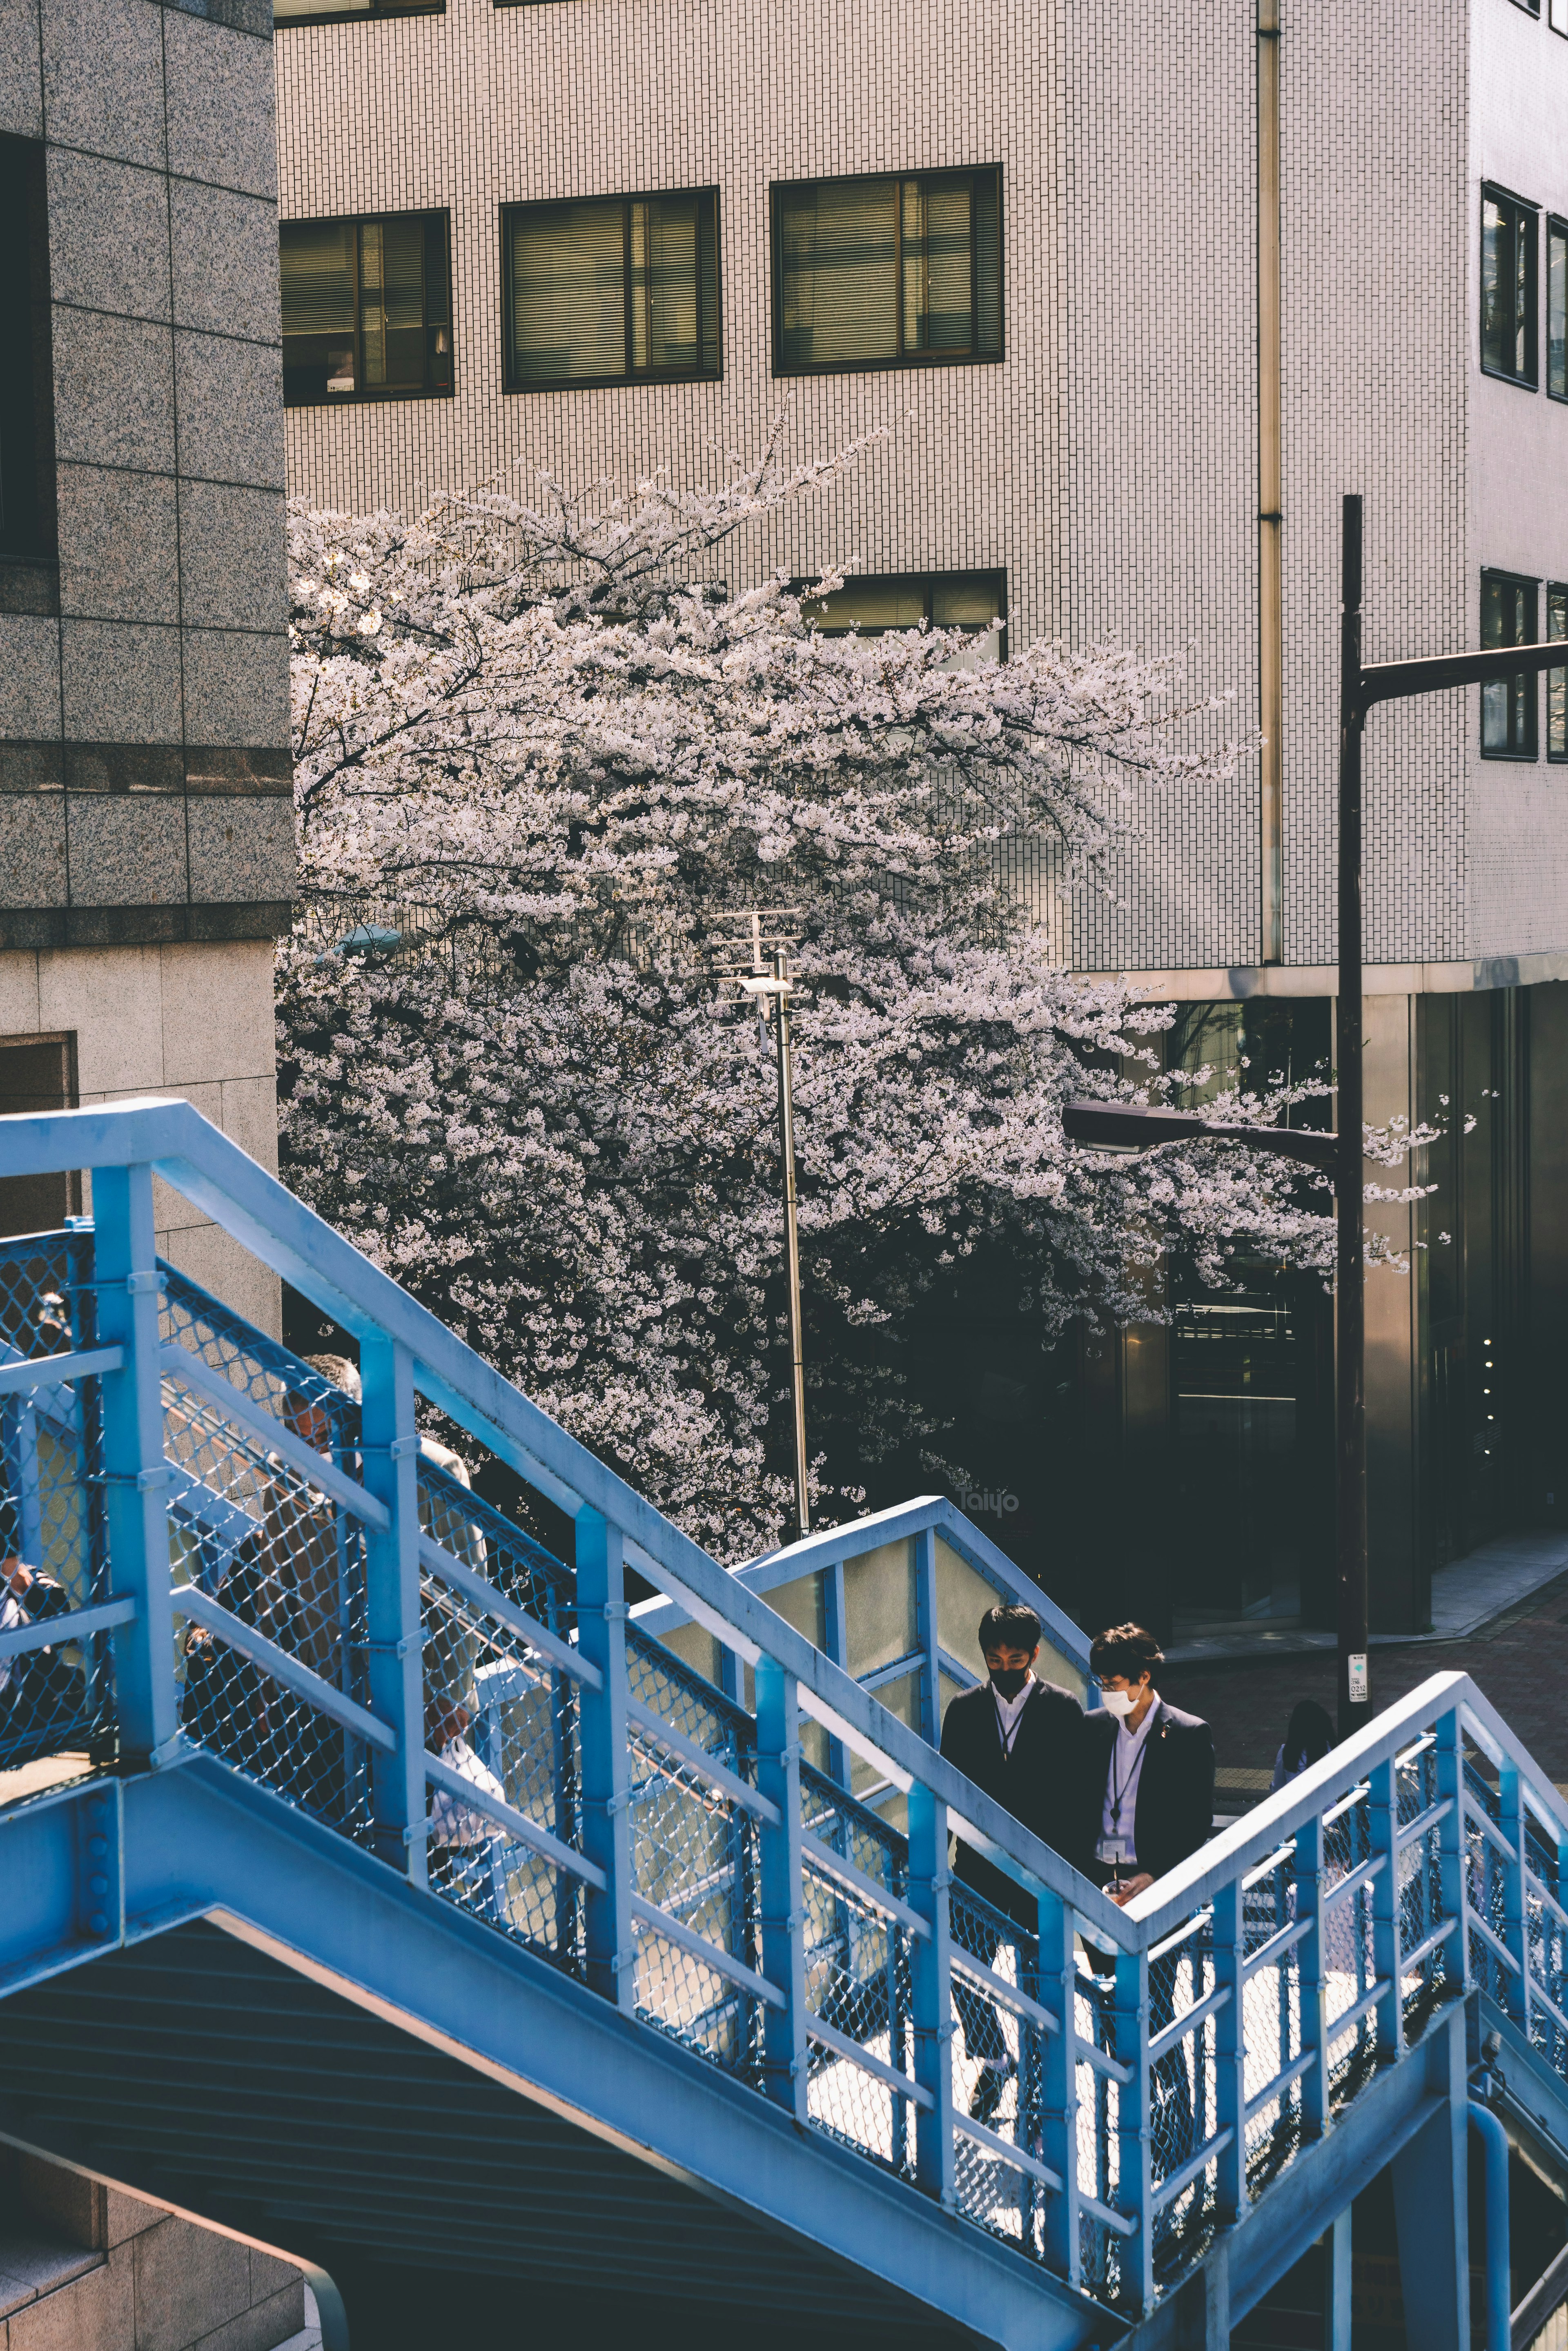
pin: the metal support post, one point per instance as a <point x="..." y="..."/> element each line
<point x="925" y="1545"/>
<point x="611" y="1951"/>
<point x="1515" y="1910"/>
<point x="1350" y="1371"/>
<point x="1058" y="2088"/>
<point x="1135" y="2144"/>
<point x="785" y="2073"/>
<point x="1337" y="2273"/>
<point x="395" y="1633"/>
<point x="1453" y="1859"/>
<point x="135" y="1480"/>
<point x="1383" y="1821"/>
<point x="930" y="1964"/>
<point x="1230" y="2051"/>
<point x="1311" y="1977"/>
<point x="792" y="1238"/>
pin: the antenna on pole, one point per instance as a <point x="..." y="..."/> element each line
<point x="755" y="945"/>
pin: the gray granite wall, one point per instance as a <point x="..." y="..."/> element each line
<point x="145" y="792"/>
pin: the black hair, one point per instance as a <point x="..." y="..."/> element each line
<point x="1010" y="1626"/>
<point x="1309" y="1735"/>
<point x="1124" y="1649"/>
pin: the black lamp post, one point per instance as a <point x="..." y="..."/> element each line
<point x="1360" y="685"/>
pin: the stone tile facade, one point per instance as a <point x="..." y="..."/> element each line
<point x="163" y="643"/>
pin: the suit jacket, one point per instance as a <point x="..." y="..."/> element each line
<point x="1039" y="1782"/>
<point x="1176" y="1787"/>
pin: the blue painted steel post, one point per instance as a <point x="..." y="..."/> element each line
<point x="1515" y="1910"/>
<point x="924" y="1548"/>
<point x="1453" y="1859"/>
<point x="1337" y="2246"/>
<point x="836" y="1640"/>
<point x="1134" y="2186"/>
<point x="1311" y="1977"/>
<point x="1383" y="1821"/>
<point x="785" y="2077"/>
<point x="135" y="1480"/>
<point x="394" y="1633"/>
<point x="1500" y="2288"/>
<point x="930" y="1960"/>
<point x="1059" y="2086"/>
<point x="1230" y="2050"/>
<point x="611" y="1948"/>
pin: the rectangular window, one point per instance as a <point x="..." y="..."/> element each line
<point x="367" y="309"/>
<point x="28" y="537"/>
<point x="1508" y="704"/>
<point x="1508" y="287"/>
<point x="1557" y="306"/>
<point x="975" y="601"/>
<point x="619" y="290"/>
<point x="1557" y="17"/>
<point x="350" y="12"/>
<point x="1556" y="679"/>
<point x="38" y="1073"/>
<point x="887" y="273"/>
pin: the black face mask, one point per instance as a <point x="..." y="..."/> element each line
<point x="1009" y="1679"/>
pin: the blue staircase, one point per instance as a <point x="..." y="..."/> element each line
<point x="406" y="1906"/>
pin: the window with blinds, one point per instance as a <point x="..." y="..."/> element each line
<point x="366" y="308"/>
<point x="350" y="12"/>
<point x="897" y="271"/>
<point x="872" y="603"/>
<point x="614" y="290"/>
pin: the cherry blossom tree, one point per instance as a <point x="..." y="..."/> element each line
<point x="540" y="747"/>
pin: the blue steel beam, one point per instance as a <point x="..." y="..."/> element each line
<point x="201" y="1842"/>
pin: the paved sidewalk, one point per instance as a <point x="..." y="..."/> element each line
<point x="1519" y="1659"/>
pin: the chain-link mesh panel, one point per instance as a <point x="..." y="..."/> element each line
<point x="693" y="1855"/>
<point x="997" y="2057"/>
<point x="254" y="1534"/>
<point x="1349" y="1970"/>
<point x="1546" y="1946"/>
<point x="1182" y="2092"/>
<point x="498" y="1712"/>
<point x="1271" y="2009"/>
<point x="1420" y="1882"/>
<point x="57" y="1699"/>
<point x="1099" y="2122"/>
<point x="858" y="1985"/>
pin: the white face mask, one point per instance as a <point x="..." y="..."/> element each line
<point x="1120" y="1702"/>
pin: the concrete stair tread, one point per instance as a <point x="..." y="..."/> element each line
<point x="32" y="2263"/>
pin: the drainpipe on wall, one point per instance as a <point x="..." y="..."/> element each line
<point x="1270" y="613"/>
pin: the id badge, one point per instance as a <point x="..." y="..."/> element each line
<point x="1112" y="1849"/>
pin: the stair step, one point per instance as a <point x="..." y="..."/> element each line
<point x="31" y="2265"/>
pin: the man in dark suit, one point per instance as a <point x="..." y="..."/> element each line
<point x="1148" y="1769"/>
<point x="1019" y="1740"/>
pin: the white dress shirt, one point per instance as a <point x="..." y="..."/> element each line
<point x="1125" y="1769"/>
<point x="1009" y="1712"/>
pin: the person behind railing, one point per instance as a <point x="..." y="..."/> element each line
<point x="38" y="1690"/>
<point x="1309" y="1735"/>
<point x="1019" y="1739"/>
<point x="1149" y="1777"/>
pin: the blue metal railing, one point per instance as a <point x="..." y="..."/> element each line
<point x="287" y="1580"/>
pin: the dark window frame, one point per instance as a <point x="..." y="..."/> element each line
<point x="778" y="188"/>
<point x="931" y="580"/>
<point x="379" y="12"/>
<point x="1524" y="683"/>
<point x="38" y="1204"/>
<point x="365" y="395"/>
<point x="29" y="532"/>
<point x="1531" y="379"/>
<point x="1528" y="7"/>
<point x="632" y="377"/>
<point x="1556" y="233"/>
<point x="1557" y="679"/>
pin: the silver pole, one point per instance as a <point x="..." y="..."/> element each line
<point x="791" y="1235"/>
